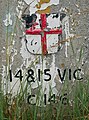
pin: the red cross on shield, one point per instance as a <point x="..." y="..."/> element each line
<point x="40" y="40"/>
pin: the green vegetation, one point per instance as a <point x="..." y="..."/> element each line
<point x="76" y="108"/>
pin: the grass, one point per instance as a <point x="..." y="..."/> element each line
<point x="19" y="109"/>
<point x="76" y="107"/>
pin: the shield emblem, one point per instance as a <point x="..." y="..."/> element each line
<point x="43" y="40"/>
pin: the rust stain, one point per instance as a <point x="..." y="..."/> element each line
<point x="62" y="65"/>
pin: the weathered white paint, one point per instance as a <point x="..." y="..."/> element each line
<point x="3" y="79"/>
<point x="65" y="27"/>
<point x="28" y="58"/>
<point x="46" y="86"/>
<point x="34" y="44"/>
<point x="52" y="40"/>
<point x="65" y="24"/>
<point x="7" y="85"/>
<point x="19" y="8"/>
<point x="52" y="43"/>
<point x="33" y="4"/>
<point x="53" y="22"/>
<point x="8" y="20"/>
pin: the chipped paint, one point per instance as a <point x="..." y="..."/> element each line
<point x="8" y="20"/>
<point x="34" y="43"/>
<point x="65" y="27"/>
<point x="46" y="85"/>
<point x="29" y="58"/>
<point x="53" y="22"/>
<point x="19" y="8"/>
<point x="43" y="5"/>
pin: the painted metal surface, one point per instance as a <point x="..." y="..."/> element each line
<point x="39" y="39"/>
